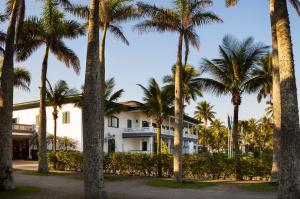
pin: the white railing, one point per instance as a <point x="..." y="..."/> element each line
<point x="163" y="131"/>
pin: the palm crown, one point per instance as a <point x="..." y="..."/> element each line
<point x="184" y="17"/>
<point x="191" y="88"/>
<point x="50" y="30"/>
<point x="234" y="72"/>
<point x="204" y="112"/>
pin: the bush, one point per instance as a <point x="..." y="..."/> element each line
<point x="200" y="166"/>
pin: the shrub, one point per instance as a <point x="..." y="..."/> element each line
<point x="200" y="166"/>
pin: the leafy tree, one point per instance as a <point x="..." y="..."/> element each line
<point x="204" y="112"/>
<point x="57" y="97"/>
<point x="50" y="31"/>
<point x="22" y="77"/>
<point x="191" y="88"/>
<point x="183" y="18"/>
<point x="157" y="104"/>
<point x="219" y="134"/>
<point x="111" y="107"/>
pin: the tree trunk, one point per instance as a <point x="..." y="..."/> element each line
<point x="91" y="113"/>
<point x="275" y="99"/>
<point x="42" y="129"/>
<point x="6" y="107"/>
<point x="290" y="133"/>
<point x="55" y="116"/>
<point x="236" y="129"/>
<point x="177" y="163"/>
<point x="158" y="141"/>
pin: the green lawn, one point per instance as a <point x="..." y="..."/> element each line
<point x="20" y="191"/>
<point x="168" y="183"/>
<point x="259" y="187"/>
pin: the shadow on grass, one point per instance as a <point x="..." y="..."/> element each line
<point x="35" y="173"/>
<point x="259" y="187"/>
<point x="106" y="178"/>
<point x="20" y="191"/>
<point x="169" y="183"/>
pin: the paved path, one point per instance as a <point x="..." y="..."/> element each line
<point x="66" y="187"/>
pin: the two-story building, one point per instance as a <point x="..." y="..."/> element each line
<point x="129" y="131"/>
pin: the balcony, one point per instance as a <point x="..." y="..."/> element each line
<point x="23" y="129"/>
<point x="152" y="130"/>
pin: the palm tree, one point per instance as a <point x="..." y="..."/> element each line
<point x="204" y="112"/>
<point x="57" y="97"/>
<point x="111" y="107"/>
<point x="15" y="12"/>
<point x="191" y="89"/>
<point x="22" y="77"/>
<point x="157" y="104"/>
<point x="283" y="69"/>
<point x="93" y="124"/>
<point x="218" y="130"/>
<point x="50" y="31"/>
<point x="183" y="18"/>
<point x="233" y="74"/>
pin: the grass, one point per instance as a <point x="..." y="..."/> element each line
<point x="20" y="191"/>
<point x="259" y="187"/>
<point x="168" y="183"/>
<point x="35" y="173"/>
<point x="106" y="178"/>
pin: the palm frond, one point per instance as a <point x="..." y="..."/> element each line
<point x="79" y="10"/>
<point x="66" y="55"/>
<point x="117" y="32"/>
<point x="296" y="5"/>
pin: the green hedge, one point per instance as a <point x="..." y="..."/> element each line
<point x="201" y="166"/>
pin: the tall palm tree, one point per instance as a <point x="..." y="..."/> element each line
<point x="111" y="107"/>
<point x="57" y="97"/>
<point x="233" y="74"/>
<point x="283" y="64"/>
<point x="183" y="18"/>
<point x="50" y="31"/>
<point x="157" y="104"/>
<point x="191" y="89"/>
<point x="204" y="112"/>
<point x="93" y="124"/>
<point x="15" y="12"/>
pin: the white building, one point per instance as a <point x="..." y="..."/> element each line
<point x="129" y="131"/>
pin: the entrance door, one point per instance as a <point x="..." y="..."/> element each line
<point x="111" y="145"/>
<point x="20" y="149"/>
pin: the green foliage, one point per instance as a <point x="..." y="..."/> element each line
<point x="202" y="166"/>
<point x="175" y="185"/>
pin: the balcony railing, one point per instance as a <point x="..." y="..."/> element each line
<point x="23" y="128"/>
<point x="186" y="132"/>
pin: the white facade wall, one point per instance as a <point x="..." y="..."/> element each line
<point x="74" y="128"/>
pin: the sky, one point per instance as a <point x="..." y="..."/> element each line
<point x="153" y="54"/>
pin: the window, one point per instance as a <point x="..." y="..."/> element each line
<point x="15" y="120"/>
<point x="66" y="117"/>
<point x="144" y="146"/>
<point x="154" y="125"/>
<point x="145" y="124"/>
<point x="129" y="124"/>
<point x="113" y="122"/>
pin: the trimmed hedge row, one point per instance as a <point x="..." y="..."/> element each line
<point x="201" y="166"/>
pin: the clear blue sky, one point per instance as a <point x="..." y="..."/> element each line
<point x="153" y="54"/>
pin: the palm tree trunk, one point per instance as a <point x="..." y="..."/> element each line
<point x="42" y="129"/>
<point x="91" y="108"/>
<point x="290" y="133"/>
<point x="275" y="98"/>
<point x="6" y="106"/>
<point x="235" y="129"/>
<point x="158" y="141"/>
<point x="55" y="113"/>
<point x="177" y="163"/>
